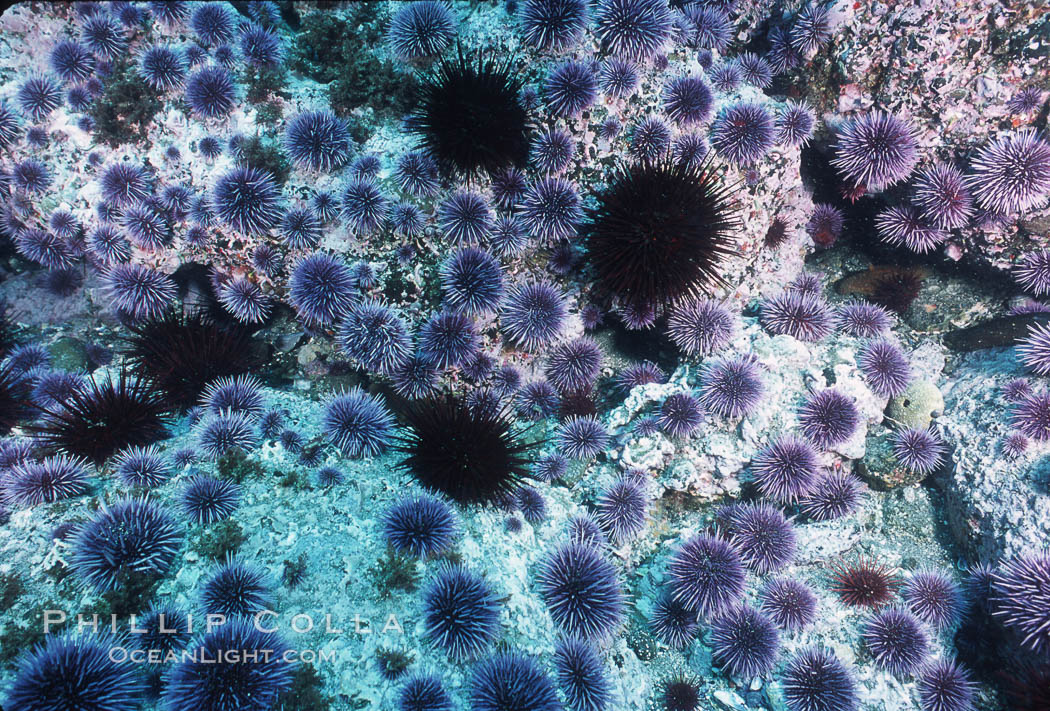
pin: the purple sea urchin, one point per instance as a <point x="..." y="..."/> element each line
<point x="570" y="88"/>
<point x="552" y="25"/>
<point x="764" y="538"/>
<point x="903" y="225"/>
<point x="687" y="100"/>
<point x="786" y="470"/>
<point x="461" y="612"/>
<point x="828" y="418"/>
<point x="533" y="315"/>
<point x="744" y="642"/>
<point x="732" y="388"/>
<point x="706" y="575"/>
<point x="421" y="29"/>
<point x="550" y="209"/>
<point x="618" y="78"/>
<point x="246" y="199"/>
<point x="318" y="140"/>
<point x="884" y="367"/>
<point x="205" y="499"/>
<point x="1012" y="173"/>
<point x="621" y="510"/>
<point x="941" y="194"/>
<point x="1021" y="598"/>
<point x="582" y="591"/>
<point x="421" y="525"/>
<point x="321" y="288"/>
<point x="789" y="603"/>
<point x="680" y="414"/>
<point x="742" y="133"/>
<point x="211" y="92"/>
<point x="946" y="686"/>
<point x="363" y="205"/>
<point x="934" y="598"/>
<point x="581" y="675"/>
<point x="794" y="124"/>
<point x="581" y="437"/>
<point x="835" y="494"/>
<point x="815" y="680"/>
<point x="632" y="29"/>
<point x="796" y="314"/>
<point x="509" y="679"/>
<point x="138" y="290"/>
<point x="896" y="640"/>
<point x="357" y="423"/>
<point x="920" y="450"/>
<point x="875" y="151"/>
<point x="863" y="320"/>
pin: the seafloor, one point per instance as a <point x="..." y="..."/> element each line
<point x="526" y="355"/>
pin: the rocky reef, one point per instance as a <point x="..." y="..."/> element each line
<point x="530" y="354"/>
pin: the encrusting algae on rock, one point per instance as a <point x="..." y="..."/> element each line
<point x="541" y="354"/>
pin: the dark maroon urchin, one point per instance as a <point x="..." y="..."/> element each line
<point x="875" y="151"/>
<point x="470" y="116"/>
<point x="672" y="623"/>
<point x="864" y="583"/>
<point x="920" y="450"/>
<point x="660" y="232"/>
<point x="786" y="470"/>
<point x="732" y="388"/>
<point x="742" y="133"/>
<point x="471" y="455"/>
<point x="680" y="694"/>
<point x="895" y="288"/>
<point x="828" y="418"/>
<point x="706" y="575"/>
<point x="804" y="317"/>
<point x="885" y="367"/>
<point x="863" y="320"/>
<point x="1021" y="599"/>
<point x="776" y="233"/>
<point x="790" y="603"/>
<point x="700" y="327"/>
<point x="680" y="414"/>
<point x="934" y="598"/>
<point x="834" y="495"/>
<point x="765" y="539"/>
<point x="897" y="641"/>
<point x="941" y="194"/>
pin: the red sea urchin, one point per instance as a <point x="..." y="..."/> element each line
<point x="660" y="232"/>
